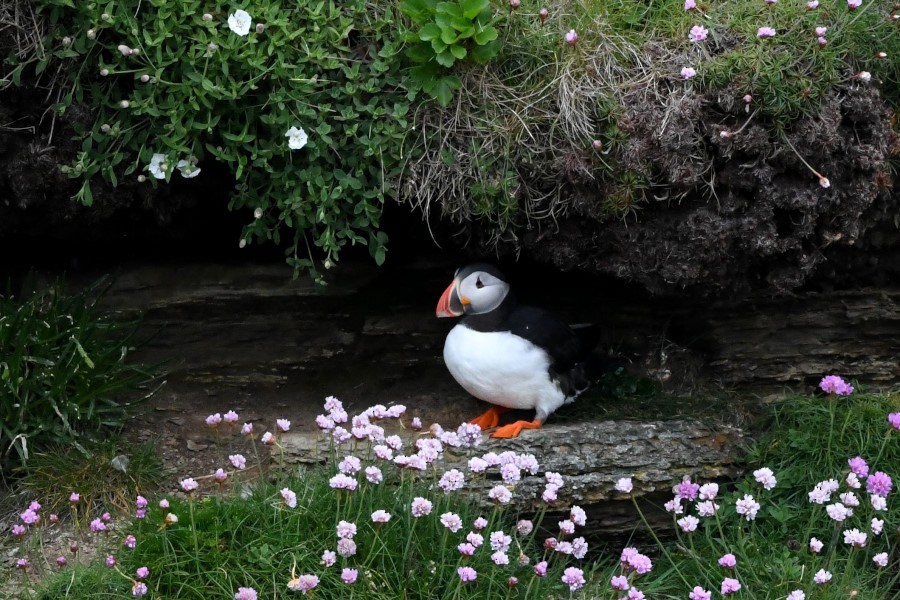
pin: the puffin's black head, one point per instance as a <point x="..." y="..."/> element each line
<point x="476" y="290"/>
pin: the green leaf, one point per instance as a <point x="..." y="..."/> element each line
<point x="449" y="36"/>
<point x="471" y="8"/>
<point x="486" y="35"/>
<point x="429" y="32"/>
<point x="450" y="8"/>
<point x="438" y="46"/>
<point x="482" y="54"/>
<point x="458" y="51"/>
<point x="443" y="89"/>
<point x="445" y="59"/>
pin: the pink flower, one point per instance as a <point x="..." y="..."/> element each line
<point x="140" y="589"/>
<point x="451" y="481"/>
<point x="833" y="384"/>
<point x="853" y="4"/>
<point x="579" y="548"/>
<point x="18" y="530"/>
<point x="853" y="481"/>
<point x="346" y="548"/>
<point x="524" y="527"/>
<point x="420" y="507"/>
<point x="699" y="594"/>
<point x="512" y="581"/>
<point x="707" y="508"/>
<point x="329" y="557"/>
<point x="698" y="33"/>
<point x="540" y="569"/>
<point x="110" y="561"/>
<point x="619" y="582"/>
<point x="164" y="503"/>
<point x="62" y="561"/>
<point x="238" y="461"/>
<point x="74" y="497"/>
<point x="267" y="438"/>
<point x="573" y="577"/>
<point x="282" y="424"/>
<point x="416" y="423"/>
<point x="571" y="37"/>
<point x="796" y="595"/>
<point x="748" y="507"/>
<point x="729" y="586"/>
<point x="822" y="576"/>
<point x="500" y="558"/>
<point x="877" y="525"/>
<point x="289" y="497"/>
<point x="879" y="483"/>
<point x="578" y="516"/>
<point x="765" y="32"/>
<point x="247" y="429"/>
<point x="812" y="5"/>
<point x="230" y="417"/>
<point x="635" y="594"/>
<point x="690" y="5"/>
<point x="567" y="527"/>
<point x="878" y="502"/>
<point x="688" y="523"/>
<point x="500" y="541"/>
<point x="214" y="420"/>
<point x="220" y="475"/>
<point x="894" y="420"/>
<point x="476" y="539"/>
<point x="709" y="491"/>
<point x="97" y="526"/>
<point x="303" y="584"/>
<point x="22" y="563"/>
<point x="143" y="572"/>
<point x="345" y="529"/>
<point x="381" y="516"/>
<point x="815" y="545"/>
<point x="624" y="484"/>
<point x="855" y="537"/>
<point x="549" y="495"/>
<point x="349" y="576"/>
<point x="688" y="72"/>
<point x="466" y="549"/>
<point x="342" y="482"/>
<point x="765" y="477"/>
<point x="728" y="561"/>
<point x="467" y="574"/>
<point x="451" y="521"/>
<point x="838" y="512"/>
<point x="881" y="559"/>
<point x="500" y="493"/>
<point x="29" y="517"/>
<point x="130" y="541"/>
<point x="480" y="523"/>
<point x="820" y="31"/>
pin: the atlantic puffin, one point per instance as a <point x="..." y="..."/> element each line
<point x="509" y="355"/>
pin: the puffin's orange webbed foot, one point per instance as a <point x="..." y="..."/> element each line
<point x="490" y="418"/>
<point x="513" y="429"/>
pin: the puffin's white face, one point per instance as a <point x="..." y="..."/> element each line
<point x="473" y="292"/>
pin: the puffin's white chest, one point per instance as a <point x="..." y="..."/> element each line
<point x="502" y="368"/>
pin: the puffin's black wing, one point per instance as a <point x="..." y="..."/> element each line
<point x="565" y="346"/>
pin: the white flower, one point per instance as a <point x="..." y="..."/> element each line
<point x="297" y="138"/>
<point x="188" y="167"/>
<point x="239" y="22"/>
<point x="881" y="559"/>
<point x="877" y="526"/>
<point x="158" y="166"/>
<point x="624" y="485"/>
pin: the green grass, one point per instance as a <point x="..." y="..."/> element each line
<point x="233" y="537"/>
<point x="517" y="148"/>
<point x="64" y="370"/>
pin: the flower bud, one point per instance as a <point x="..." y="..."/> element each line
<point x="725" y="134"/>
<point x="543" y="14"/>
<point x="598" y="145"/>
<point x="571" y="37"/>
<point x="211" y="48"/>
<point x="136" y="51"/>
<point x="513" y="4"/>
<point x="748" y="98"/>
<point x="104" y="72"/>
<point x="141" y="178"/>
<point x="91" y="34"/>
<point x="207" y="17"/>
<point x="823" y="181"/>
<point x="864" y="76"/>
<point x="124" y="104"/>
<point x="105" y="128"/>
<point x="328" y="264"/>
<point x="258" y="213"/>
<point x="104" y="17"/>
<point x="242" y="243"/>
<point x="881" y="55"/>
<point x="66" y="42"/>
<point x="145" y="78"/>
<point x="125" y="50"/>
<point x="260" y="27"/>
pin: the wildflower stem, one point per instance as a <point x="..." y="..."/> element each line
<point x="662" y="547"/>
<point x="808" y="166"/>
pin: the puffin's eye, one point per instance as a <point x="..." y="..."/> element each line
<point x="478" y="283"/>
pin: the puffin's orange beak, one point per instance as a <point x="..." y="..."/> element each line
<point x="448" y="300"/>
